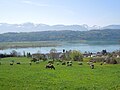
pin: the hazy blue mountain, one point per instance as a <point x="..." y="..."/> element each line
<point x="31" y="27"/>
<point x="112" y="27"/>
<point x="91" y="27"/>
<point x="101" y="28"/>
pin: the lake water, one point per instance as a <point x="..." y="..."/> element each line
<point x="91" y="47"/>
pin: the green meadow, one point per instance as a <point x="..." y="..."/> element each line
<point x="76" y="77"/>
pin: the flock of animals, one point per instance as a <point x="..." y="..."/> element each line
<point x="51" y="66"/>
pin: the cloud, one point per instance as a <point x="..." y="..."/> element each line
<point x="34" y="3"/>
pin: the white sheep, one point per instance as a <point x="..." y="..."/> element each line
<point x="30" y="63"/>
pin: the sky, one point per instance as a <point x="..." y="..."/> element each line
<point x="67" y="12"/>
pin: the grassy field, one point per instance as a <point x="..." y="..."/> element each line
<point x="36" y="77"/>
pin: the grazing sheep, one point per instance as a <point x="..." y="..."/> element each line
<point x="30" y="63"/>
<point x="80" y="63"/>
<point x="18" y="63"/>
<point x="69" y="63"/>
<point x="104" y="63"/>
<point x="37" y="62"/>
<point x="89" y="63"/>
<point x="101" y="63"/>
<point x="50" y="66"/>
<point x="92" y="66"/>
<point x="11" y="63"/>
<point x="57" y="63"/>
<point x="34" y="60"/>
<point x="50" y="61"/>
<point x="63" y="63"/>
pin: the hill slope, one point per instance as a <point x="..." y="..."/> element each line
<point x="66" y="35"/>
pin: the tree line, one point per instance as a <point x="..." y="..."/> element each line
<point x="66" y="35"/>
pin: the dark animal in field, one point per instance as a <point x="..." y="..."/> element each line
<point x="92" y="66"/>
<point x="101" y="63"/>
<point x="58" y="63"/>
<point x="63" y="63"/>
<point x="50" y="66"/>
<point x="11" y="63"/>
<point x="69" y="63"/>
<point x="0" y="63"/>
<point x="51" y="61"/>
<point x="34" y="60"/>
<point x="18" y="63"/>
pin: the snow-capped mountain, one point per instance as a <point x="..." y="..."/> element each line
<point x="31" y="27"/>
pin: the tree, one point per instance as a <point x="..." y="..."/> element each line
<point x="14" y="53"/>
<point x="24" y="54"/>
<point x="53" y="53"/>
<point x="29" y="54"/>
<point x="76" y="55"/>
<point x="53" y="50"/>
<point x="104" y="52"/>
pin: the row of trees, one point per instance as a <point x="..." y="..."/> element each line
<point x="14" y="53"/>
<point x="74" y="55"/>
<point x="71" y="55"/>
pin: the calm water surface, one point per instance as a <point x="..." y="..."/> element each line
<point x="91" y="47"/>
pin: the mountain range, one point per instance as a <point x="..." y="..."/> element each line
<point x="31" y="27"/>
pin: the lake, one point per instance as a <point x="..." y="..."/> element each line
<point x="92" y="46"/>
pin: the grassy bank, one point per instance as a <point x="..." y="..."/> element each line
<point x="36" y="77"/>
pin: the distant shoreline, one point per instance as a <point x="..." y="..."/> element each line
<point x="7" y="45"/>
<point x="35" y="44"/>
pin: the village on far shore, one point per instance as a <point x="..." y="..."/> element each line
<point x="71" y="55"/>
